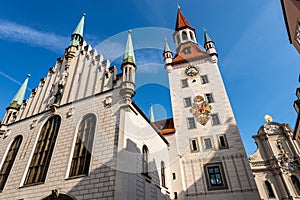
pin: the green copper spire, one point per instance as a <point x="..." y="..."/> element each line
<point x="167" y="48"/>
<point x="77" y="36"/>
<point x="129" y="52"/>
<point x="151" y="114"/>
<point x="206" y="37"/>
<point x="19" y="97"/>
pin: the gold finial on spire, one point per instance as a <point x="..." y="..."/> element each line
<point x="268" y="118"/>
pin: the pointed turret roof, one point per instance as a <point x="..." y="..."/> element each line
<point x="206" y="37"/>
<point x="151" y="114"/>
<point x="78" y="32"/>
<point x="166" y="48"/>
<point x="19" y="97"/>
<point x="181" y="21"/>
<point x="129" y="52"/>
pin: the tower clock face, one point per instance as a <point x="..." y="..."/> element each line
<point x="191" y="71"/>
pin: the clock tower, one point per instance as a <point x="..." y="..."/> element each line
<point x="211" y="159"/>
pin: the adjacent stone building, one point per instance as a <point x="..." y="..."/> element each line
<point x="79" y="135"/>
<point x="275" y="164"/>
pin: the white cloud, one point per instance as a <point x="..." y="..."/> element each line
<point x="24" y="34"/>
<point x="12" y="79"/>
<point x="150" y="68"/>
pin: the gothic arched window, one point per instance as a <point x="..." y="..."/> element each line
<point x="184" y="35"/>
<point x="145" y="159"/>
<point x="296" y="184"/>
<point x="83" y="147"/>
<point x="163" y="174"/>
<point x="9" y="160"/>
<point x="43" y="151"/>
<point x="269" y="189"/>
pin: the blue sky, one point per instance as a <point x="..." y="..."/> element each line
<point x="259" y="66"/>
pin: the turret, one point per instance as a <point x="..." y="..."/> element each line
<point x="128" y="70"/>
<point x="14" y="106"/>
<point x="210" y="48"/>
<point x="76" y="40"/>
<point x="167" y="57"/>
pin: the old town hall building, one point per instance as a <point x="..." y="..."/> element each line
<point x="79" y="135"/>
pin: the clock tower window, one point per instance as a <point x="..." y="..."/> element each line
<point x="215" y="119"/>
<point x="184" y="36"/>
<point x="184" y="83"/>
<point x="187" y="102"/>
<point x="209" y="98"/>
<point x="191" y="123"/>
<point x="204" y="79"/>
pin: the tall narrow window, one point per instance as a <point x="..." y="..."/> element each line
<point x="207" y="143"/>
<point x="184" y="35"/>
<point x="191" y="123"/>
<point x="194" y="145"/>
<point x="296" y="184"/>
<point x="9" y="160"/>
<point x="192" y="36"/>
<point x="209" y="98"/>
<point x="269" y="189"/>
<point x="204" y="79"/>
<point x="174" y="176"/>
<point x="223" y="142"/>
<point x="215" y="119"/>
<point x="187" y="102"/>
<point x="145" y="159"/>
<point x="163" y="174"/>
<point x="43" y="151"/>
<point x="83" y="147"/>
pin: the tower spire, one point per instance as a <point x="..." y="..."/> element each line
<point x="206" y="37"/>
<point x="166" y="48"/>
<point x="181" y="21"/>
<point x="152" y="119"/>
<point x="19" y="97"/>
<point x="129" y="52"/>
<point x="77" y="36"/>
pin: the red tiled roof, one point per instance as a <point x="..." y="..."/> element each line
<point x="181" y="21"/>
<point x="193" y="49"/>
<point x="165" y="126"/>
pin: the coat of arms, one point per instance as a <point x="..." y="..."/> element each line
<point x="201" y="110"/>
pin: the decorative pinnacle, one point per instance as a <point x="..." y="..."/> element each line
<point x="166" y="48"/>
<point x="129" y="52"/>
<point x="83" y="14"/>
<point x="206" y="36"/>
<point x="178" y="6"/>
<point x="19" y="97"/>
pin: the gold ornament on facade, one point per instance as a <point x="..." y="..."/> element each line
<point x="201" y="110"/>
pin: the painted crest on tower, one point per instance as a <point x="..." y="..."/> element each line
<point x="201" y="110"/>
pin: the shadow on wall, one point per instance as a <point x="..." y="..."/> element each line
<point x="117" y="180"/>
<point x="223" y="173"/>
